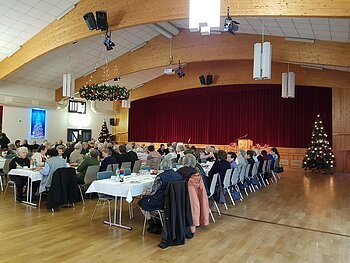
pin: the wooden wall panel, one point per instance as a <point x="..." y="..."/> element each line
<point x="341" y="118"/>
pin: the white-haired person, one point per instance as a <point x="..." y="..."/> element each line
<point x="156" y="198"/>
<point x="189" y="167"/>
<point x="75" y="158"/>
<point x="241" y="158"/>
<point x="19" y="162"/>
<point x="172" y="154"/>
<point x="40" y="156"/>
<point x="207" y="155"/>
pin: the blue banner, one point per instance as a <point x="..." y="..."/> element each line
<point x="38" y="123"/>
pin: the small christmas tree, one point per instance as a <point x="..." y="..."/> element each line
<point x="104" y="134"/>
<point x="319" y="155"/>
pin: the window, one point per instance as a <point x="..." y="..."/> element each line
<point x="77" y="106"/>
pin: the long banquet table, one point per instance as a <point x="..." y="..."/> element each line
<point x="133" y="185"/>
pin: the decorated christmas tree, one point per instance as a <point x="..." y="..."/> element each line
<point x="319" y="155"/>
<point x="104" y="134"/>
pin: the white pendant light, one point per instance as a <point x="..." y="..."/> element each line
<point x="288" y="85"/>
<point x="262" y="61"/>
<point x="126" y="104"/>
<point x="68" y="85"/>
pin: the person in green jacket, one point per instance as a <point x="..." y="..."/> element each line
<point x="89" y="161"/>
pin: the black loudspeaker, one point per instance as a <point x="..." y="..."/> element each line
<point x="101" y="20"/>
<point x="202" y="79"/>
<point x="90" y="21"/>
<point x="209" y="79"/>
<point x="112" y="121"/>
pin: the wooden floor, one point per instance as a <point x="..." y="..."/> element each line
<point x="300" y="219"/>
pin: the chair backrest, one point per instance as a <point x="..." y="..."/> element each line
<point x="91" y="174"/>
<point x="137" y="166"/>
<point x="127" y="171"/>
<point x="255" y="169"/>
<point x="227" y="178"/>
<point x="156" y="164"/>
<point x="242" y="173"/>
<point x="268" y="166"/>
<point x="264" y="166"/>
<point x="247" y="170"/>
<point x="213" y="184"/>
<point x="235" y="175"/>
<point x="277" y="162"/>
<point x="146" y="168"/>
<point x="110" y="168"/>
<point x="6" y="167"/>
<point x="126" y="165"/>
<point x="104" y="175"/>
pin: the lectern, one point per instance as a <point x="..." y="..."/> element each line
<point x="245" y="144"/>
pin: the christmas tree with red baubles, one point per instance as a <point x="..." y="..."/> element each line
<point x="319" y="155"/>
<point x="104" y="134"/>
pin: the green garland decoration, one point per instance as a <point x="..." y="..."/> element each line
<point x="104" y="92"/>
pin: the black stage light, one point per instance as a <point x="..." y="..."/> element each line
<point x="209" y="79"/>
<point x="101" y="20"/>
<point x="108" y="42"/>
<point x="180" y="72"/>
<point x="90" y="21"/>
<point x="202" y="79"/>
<point x="230" y="25"/>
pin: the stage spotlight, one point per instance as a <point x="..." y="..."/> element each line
<point x="180" y="72"/>
<point x="230" y="25"/>
<point x="90" y="21"/>
<point x="108" y="42"/>
<point x="117" y="79"/>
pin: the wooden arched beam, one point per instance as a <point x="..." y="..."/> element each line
<point x="239" y="72"/>
<point x="192" y="47"/>
<point x="123" y="14"/>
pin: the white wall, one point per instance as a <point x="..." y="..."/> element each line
<point x="16" y="123"/>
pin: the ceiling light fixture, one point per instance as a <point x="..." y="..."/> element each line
<point x="298" y="39"/>
<point x="204" y="16"/>
<point x="230" y="25"/>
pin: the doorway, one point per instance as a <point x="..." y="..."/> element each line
<point x="79" y="135"/>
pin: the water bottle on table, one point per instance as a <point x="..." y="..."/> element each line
<point x="121" y="175"/>
<point x="117" y="174"/>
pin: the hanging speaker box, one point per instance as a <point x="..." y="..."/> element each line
<point x="266" y="60"/>
<point x="284" y="85"/>
<point x="202" y="79"/>
<point x="112" y="121"/>
<point x="209" y="79"/>
<point x="90" y="21"/>
<point x="101" y="20"/>
<point x="257" y="61"/>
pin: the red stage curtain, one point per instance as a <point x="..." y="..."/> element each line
<point x="219" y="115"/>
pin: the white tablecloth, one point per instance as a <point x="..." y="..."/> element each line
<point x="132" y="186"/>
<point x="33" y="175"/>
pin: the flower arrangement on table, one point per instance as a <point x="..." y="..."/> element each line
<point x="104" y="92"/>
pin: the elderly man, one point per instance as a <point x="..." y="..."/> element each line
<point x="155" y="200"/>
<point x="93" y="159"/>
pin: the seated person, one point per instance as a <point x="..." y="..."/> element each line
<point x="107" y="159"/>
<point x="262" y="157"/>
<point x="241" y="158"/>
<point x="153" y="154"/>
<point x="220" y="166"/>
<point x="161" y="149"/>
<point x="75" y="158"/>
<point x="60" y="149"/>
<point x="250" y="160"/>
<point x="124" y="156"/>
<point x="34" y="145"/>
<point x="172" y="154"/>
<point x="20" y="161"/>
<point x="25" y="144"/>
<point x="93" y="159"/>
<point x="141" y="155"/>
<point x="156" y="198"/>
<point x="39" y="157"/>
<point x="18" y="144"/>
<point x="51" y="165"/>
<point x="207" y="155"/>
<point x="132" y="155"/>
<point x="11" y="151"/>
<point x="231" y="158"/>
<point x="189" y="167"/>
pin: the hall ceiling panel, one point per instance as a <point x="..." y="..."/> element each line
<point x="80" y="58"/>
<point x="20" y="20"/>
<point x="330" y="29"/>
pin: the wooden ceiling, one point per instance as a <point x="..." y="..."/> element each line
<point x="123" y="14"/>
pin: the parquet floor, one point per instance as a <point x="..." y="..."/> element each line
<point x="300" y="219"/>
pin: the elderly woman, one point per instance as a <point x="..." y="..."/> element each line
<point x="39" y="157"/>
<point x="189" y="167"/>
<point x="207" y="155"/>
<point x="155" y="200"/>
<point x="60" y="149"/>
<point x="241" y="158"/>
<point x="76" y="157"/>
<point x="93" y="159"/>
<point x="20" y="161"/>
<point x="51" y="165"/>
